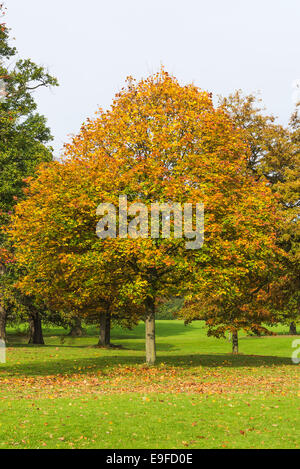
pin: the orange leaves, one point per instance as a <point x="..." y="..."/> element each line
<point x="145" y="380"/>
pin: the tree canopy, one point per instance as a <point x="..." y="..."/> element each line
<point x="159" y="142"/>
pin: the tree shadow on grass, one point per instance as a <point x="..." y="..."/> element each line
<point x="123" y="346"/>
<point x="101" y="363"/>
<point x="227" y="360"/>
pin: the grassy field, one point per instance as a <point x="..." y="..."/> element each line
<point x="71" y="394"/>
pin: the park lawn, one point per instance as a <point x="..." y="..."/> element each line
<point x="152" y="421"/>
<point x="71" y="394"/>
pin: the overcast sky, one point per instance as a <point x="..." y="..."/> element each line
<point x="92" y="45"/>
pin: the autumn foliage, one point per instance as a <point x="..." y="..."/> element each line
<point x="159" y="142"/>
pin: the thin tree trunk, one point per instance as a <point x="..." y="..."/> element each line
<point x="76" y="328"/>
<point x="150" y="332"/>
<point x="235" y="342"/>
<point x="3" y="316"/>
<point x="104" y="337"/>
<point x="107" y="328"/>
<point x="3" y="313"/>
<point x="293" y="329"/>
<point x="36" y="332"/>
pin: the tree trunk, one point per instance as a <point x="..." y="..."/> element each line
<point x="3" y="313"/>
<point x="36" y="332"/>
<point x="104" y="338"/>
<point x="150" y="332"/>
<point x="76" y="328"/>
<point x="235" y="342"/>
<point x="293" y="329"/>
<point x="3" y="316"/>
<point x="107" y="328"/>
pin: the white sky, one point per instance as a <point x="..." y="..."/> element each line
<point x="220" y="45"/>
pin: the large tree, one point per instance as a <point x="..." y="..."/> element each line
<point x="159" y="142"/>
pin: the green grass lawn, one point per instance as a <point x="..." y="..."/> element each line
<point x="71" y="394"/>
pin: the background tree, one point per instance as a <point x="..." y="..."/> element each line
<point x="168" y="308"/>
<point x="24" y="138"/>
<point x="67" y="268"/>
<point x="275" y="156"/>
